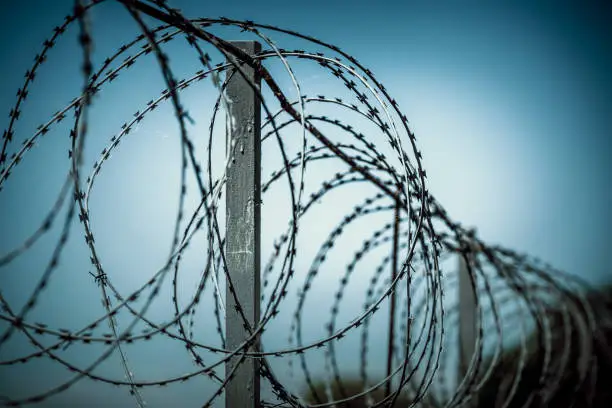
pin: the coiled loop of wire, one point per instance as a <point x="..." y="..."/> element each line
<point x="508" y="287"/>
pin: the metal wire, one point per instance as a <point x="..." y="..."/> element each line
<point x="511" y="290"/>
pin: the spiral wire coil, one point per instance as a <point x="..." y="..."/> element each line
<point x="509" y="288"/>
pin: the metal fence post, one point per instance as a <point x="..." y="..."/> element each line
<point x="392" y="299"/>
<point x="467" y="318"/>
<point x="243" y="197"/>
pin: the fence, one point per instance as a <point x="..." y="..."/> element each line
<point x="431" y="333"/>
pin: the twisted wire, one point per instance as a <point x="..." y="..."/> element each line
<point x="553" y="310"/>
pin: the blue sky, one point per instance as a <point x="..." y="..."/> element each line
<point x="510" y="104"/>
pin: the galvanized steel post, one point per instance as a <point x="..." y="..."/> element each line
<point x="467" y="315"/>
<point x="243" y="198"/>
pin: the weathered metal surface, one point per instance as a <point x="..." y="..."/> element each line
<point x="243" y="230"/>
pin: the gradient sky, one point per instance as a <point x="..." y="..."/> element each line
<point x="510" y="104"/>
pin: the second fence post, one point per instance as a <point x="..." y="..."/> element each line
<point x="467" y="317"/>
<point x="242" y="249"/>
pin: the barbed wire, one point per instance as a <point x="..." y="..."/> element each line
<point x="383" y="162"/>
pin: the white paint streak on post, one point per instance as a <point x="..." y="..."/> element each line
<point x="243" y="197"/>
